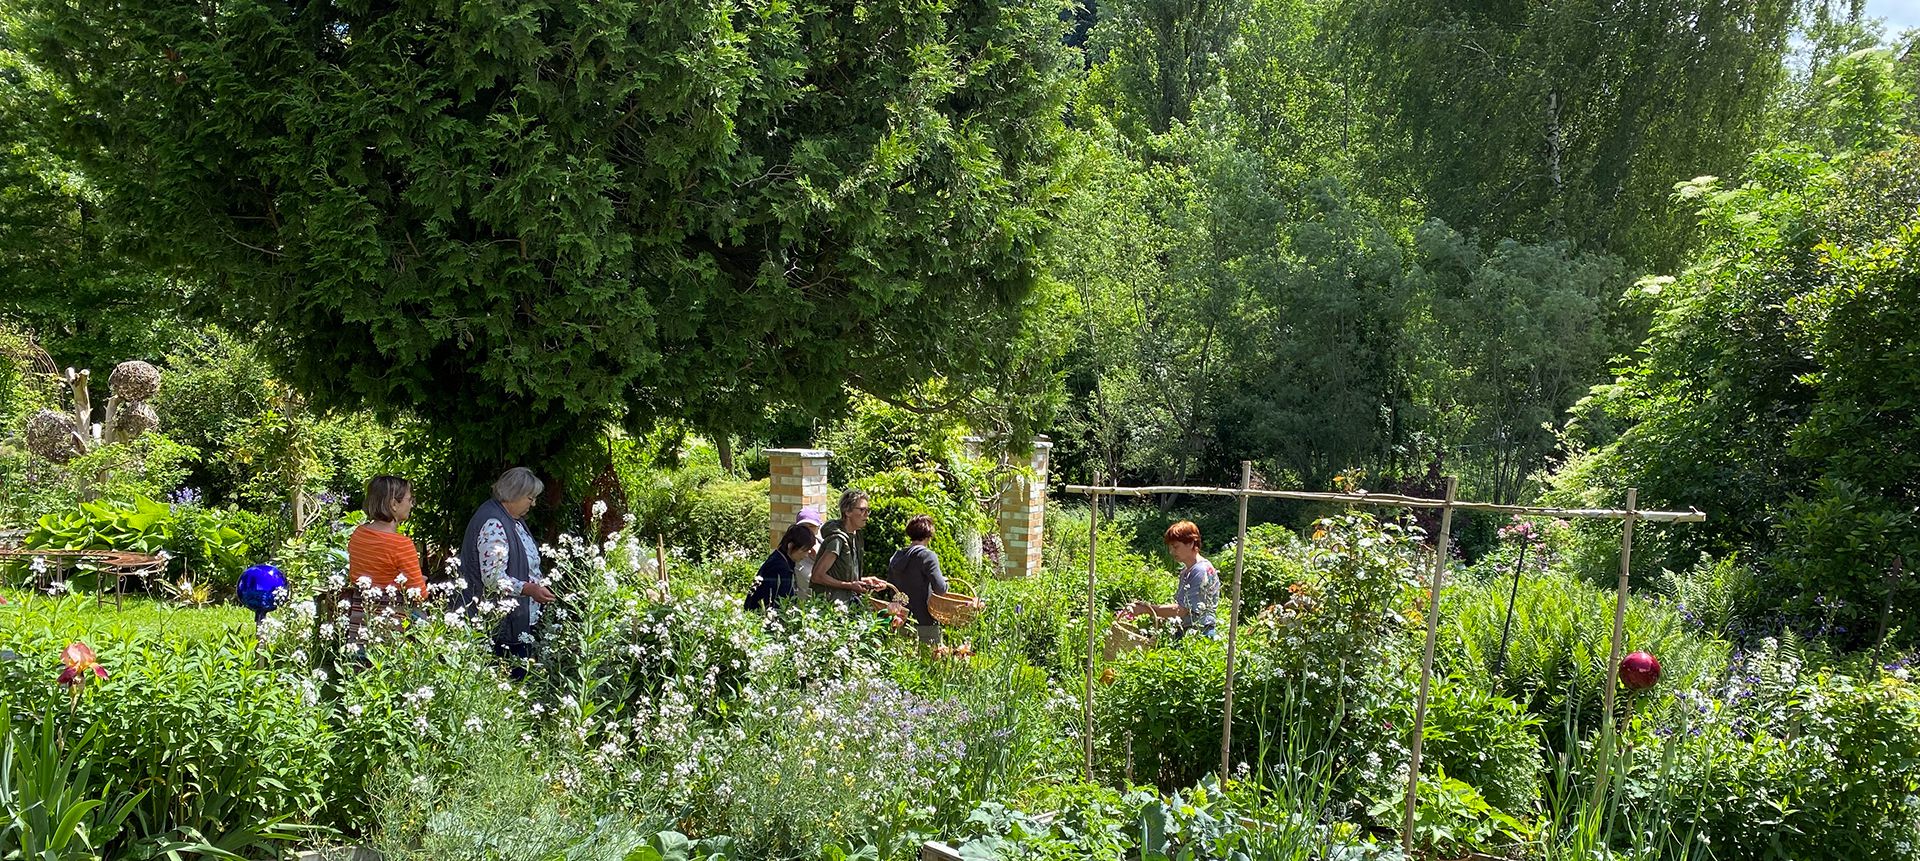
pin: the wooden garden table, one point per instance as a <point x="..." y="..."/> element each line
<point x="118" y="564"/>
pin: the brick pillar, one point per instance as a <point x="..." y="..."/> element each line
<point x="798" y="478"/>
<point x="974" y="448"/>
<point x="1023" y="515"/>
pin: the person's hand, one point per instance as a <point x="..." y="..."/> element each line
<point x="538" y="592"/>
<point x="1140" y="608"/>
<point x="875" y="584"/>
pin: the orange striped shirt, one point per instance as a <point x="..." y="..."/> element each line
<point x="385" y="559"/>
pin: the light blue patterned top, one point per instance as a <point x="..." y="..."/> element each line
<point x="1199" y="595"/>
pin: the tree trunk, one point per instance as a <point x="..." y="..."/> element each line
<point x="1553" y="157"/>
<point x="723" y="443"/>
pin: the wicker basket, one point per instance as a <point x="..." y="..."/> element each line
<point x="954" y="610"/>
<point x="1122" y="637"/>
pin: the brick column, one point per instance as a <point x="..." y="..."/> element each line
<point x="1023" y="515"/>
<point x="974" y="448"/>
<point x="798" y="478"/>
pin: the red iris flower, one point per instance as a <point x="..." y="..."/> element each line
<point x="79" y="660"/>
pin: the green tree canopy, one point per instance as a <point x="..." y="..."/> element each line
<point x="63" y="273"/>
<point x="1513" y="339"/>
<point x="1565" y="119"/>
<point x="520" y="219"/>
<point x="1780" y="387"/>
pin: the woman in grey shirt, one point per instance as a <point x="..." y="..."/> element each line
<point x="915" y="571"/>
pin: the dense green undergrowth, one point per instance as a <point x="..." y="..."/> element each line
<point x="673" y="711"/>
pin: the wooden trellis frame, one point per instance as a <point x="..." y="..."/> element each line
<point x="1447" y="506"/>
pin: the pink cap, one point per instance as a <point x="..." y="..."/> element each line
<point x="810" y="514"/>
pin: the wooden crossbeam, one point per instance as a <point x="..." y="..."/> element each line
<point x="1395" y="500"/>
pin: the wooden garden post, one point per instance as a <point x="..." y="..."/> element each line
<point x="1620" y="609"/>
<point x="1607" y="730"/>
<point x="1440" y="550"/>
<point x="1093" y="544"/>
<point x="1233" y="622"/>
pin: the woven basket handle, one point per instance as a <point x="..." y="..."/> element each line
<point x="961" y="586"/>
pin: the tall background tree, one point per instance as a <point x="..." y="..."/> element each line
<point x="1566" y="119"/>
<point x="64" y="273"/>
<point x="521" y="219"/>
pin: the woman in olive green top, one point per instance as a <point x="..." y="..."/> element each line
<point x="836" y="570"/>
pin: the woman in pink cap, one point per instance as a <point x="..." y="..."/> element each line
<point x="811" y="517"/>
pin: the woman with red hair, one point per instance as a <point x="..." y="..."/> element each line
<point x="1199" y="591"/>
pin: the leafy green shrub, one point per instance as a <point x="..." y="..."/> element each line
<point x="257" y="436"/>
<point x="1066" y="548"/>
<point x="313" y="557"/>
<point x="726" y="517"/>
<point x="212" y="385"/>
<point x="258" y="534"/>
<point x="200" y="540"/>
<point x="1836" y="558"/>
<point x="221" y="746"/>
<point x="1329" y="665"/>
<point x="1091" y="828"/>
<point x="733" y="575"/>
<point x="1276" y="558"/>
<point x="876" y="437"/>
<point x="1025" y="617"/>
<point x="1452" y="818"/>
<point x="1556" y="658"/>
<point x="886" y="532"/>
<point x="1031" y="617"/>
<point x="658" y="496"/>
<point x="207" y="716"/>
<point x="699" y="507"/>
<point x="1159" y="718"/>
<point x="1777" y="383"/>
<point x="897" y="497"/>
<point x="1822" y="769"/>
<point x="150" y="466"/>
<point x="1340" y="652"/>
<point x="1043" y="617"/>
<point x="1486" y="741"/>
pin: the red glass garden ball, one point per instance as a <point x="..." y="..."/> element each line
<point x="1640" y="670"/>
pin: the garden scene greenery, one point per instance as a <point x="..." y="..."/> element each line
<point x="255" y="253"/>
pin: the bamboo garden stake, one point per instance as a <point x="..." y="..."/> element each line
<point x="1233" y="621"/>
<point x="1440" y="551"/>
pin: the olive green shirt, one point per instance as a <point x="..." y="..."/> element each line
<point x="845" y="547"/>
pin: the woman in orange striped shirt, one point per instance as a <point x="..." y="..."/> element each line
<point x="383" y="566"/>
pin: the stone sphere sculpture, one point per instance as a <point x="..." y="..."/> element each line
<point x="50" y="435"/>
<point x="135" y="419"/>
<point x="134" y="381"/>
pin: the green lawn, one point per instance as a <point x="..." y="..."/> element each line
<point x="77" y="617"/>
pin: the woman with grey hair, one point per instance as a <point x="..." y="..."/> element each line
<point x="500" y="560"/>
<point x="836" y="571"/>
